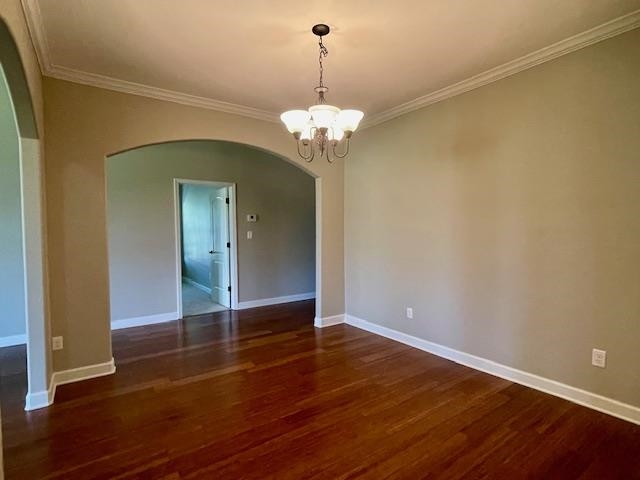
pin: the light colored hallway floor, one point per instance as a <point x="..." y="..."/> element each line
<point x="197" y="302"/>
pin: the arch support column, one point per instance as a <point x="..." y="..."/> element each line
<point x="39" y="392"/>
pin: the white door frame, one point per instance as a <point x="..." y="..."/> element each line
<point x="233" y="237"/>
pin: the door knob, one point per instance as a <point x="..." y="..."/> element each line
<point x="210" y="251"/>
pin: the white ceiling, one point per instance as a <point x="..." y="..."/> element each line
<point x="261" y="54"/>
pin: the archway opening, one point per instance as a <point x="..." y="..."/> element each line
<point x="274" y="254"/>
<point x="26" y="370"/>
<point x="13" y="320"/>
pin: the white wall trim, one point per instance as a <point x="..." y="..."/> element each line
<point x="45" y="398"/>
<point x="11" y="340"/>
<point x="144" y="320"/>
<point x="37" y="31"/>
<point x="263" y="302"/>
<point x="124" y="86"/>
<point x="233" y="238"/>
<point x="552" y="387"/>
<point x="33" y="16"/>
<point x="318" y="246"/>
<point x="83" y="373"/>
<point x="320" y="322"/>
<point x="597" y="34"/>
<point x="195" y="284"/>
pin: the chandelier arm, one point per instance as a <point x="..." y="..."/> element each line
<point x="312" y="155"/>
<point x="309" y="156"/>
<point x="346" y="150"/>
<point x="330" y="154"/>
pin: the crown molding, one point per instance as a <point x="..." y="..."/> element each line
<point x="35" y="25"/>
<point x="597" y="34"/>
<point x="109" y="83"/>
<point x="37" y="31"/>
<point x="563" y="47"/>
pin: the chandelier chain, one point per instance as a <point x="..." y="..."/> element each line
<point x="323" y="53"/>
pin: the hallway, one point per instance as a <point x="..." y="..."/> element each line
<point x="197" y="302"/>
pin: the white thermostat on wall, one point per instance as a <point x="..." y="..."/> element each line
<point x="252" y="217"/>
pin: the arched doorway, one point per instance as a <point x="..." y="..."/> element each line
<point x="276" y="198"/>
<point x="85" y="125"/>
<point x="32" y="220"/>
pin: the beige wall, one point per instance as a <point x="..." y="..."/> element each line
<point x="278" y="261"/>
<point x="84" y="124"/>
<point x="508" y="219"/>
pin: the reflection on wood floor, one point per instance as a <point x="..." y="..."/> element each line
<point x="262" y="394"/>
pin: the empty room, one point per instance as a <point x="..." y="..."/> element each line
<point x="285" y="240"/>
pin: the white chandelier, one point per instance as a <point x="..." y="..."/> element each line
<point x="324" y="130"/>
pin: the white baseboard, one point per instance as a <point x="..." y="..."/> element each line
<point x="197" y="285"/>
<point x="83" y="373"/>
<point x="276" y="300"/>
<point x="146" y="320"/>
<point x="582" y="397"/>
<point x="321" y="322"/>
<point x="42" y="399"/>
<point x="12" y="340"/>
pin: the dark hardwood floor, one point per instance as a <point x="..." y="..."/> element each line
<point x="262" y="394"/>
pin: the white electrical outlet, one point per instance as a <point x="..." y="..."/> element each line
<point x="57" y="343"/>
<point x="598" y="358"/>
<point x="409" y="312"/>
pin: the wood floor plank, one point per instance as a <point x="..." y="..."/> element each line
<point x="262" y="394"/>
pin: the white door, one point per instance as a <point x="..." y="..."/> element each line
<point x="220" y="280"/>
